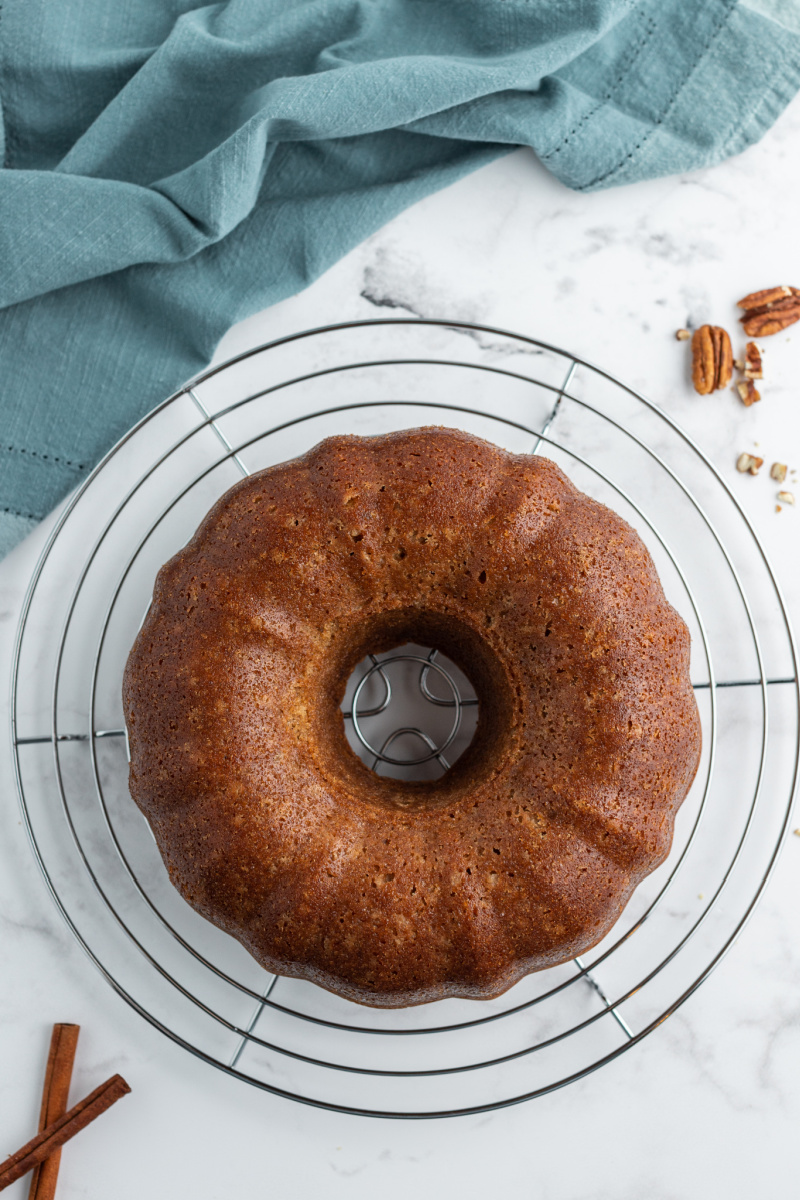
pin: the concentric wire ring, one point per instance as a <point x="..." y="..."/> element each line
<point x="236" y="452"/>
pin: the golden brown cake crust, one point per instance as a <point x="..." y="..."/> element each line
<point x="391" y="893"/>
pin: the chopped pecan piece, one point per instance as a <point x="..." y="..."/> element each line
<point x="778" y="472"/>
<point x="786" y="497"/>
<point x="747" y="391"/>
<point x="712" y="359"/>
<point x="682" y="335"/>
<point x="749" y="464"/>
<point x="770" y="310"/>
<point x="753" y="367"/>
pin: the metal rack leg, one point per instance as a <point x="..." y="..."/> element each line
<point x="237" y="1054"/>
<point x="213" y="425"/>
<point x="567" y="381"/>
<point x="590" y="979"/>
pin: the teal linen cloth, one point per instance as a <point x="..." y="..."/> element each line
<point x="170" y="168"/>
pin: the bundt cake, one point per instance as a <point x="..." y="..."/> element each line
<point x="388" y="892"/>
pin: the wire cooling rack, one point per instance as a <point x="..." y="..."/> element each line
<point x="409" y="712"/>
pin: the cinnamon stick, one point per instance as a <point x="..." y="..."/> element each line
<point x="61" y="1130"/>
<point x="55" y="1096"/>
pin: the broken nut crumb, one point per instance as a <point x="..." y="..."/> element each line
<point x="749" y="464"/>
<point x="682" y="335"/>
<point x="748" y="392"/>
<point x="778" y="472"/>
<point x="786" y="497"/>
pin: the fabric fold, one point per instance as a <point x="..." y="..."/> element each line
<point x="170" y="168"/>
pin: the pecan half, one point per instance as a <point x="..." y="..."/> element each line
<point x="712" y="359"/>
<point x="765" y="297"/>
<point x="771" y="310"/>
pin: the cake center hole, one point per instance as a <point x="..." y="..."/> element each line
<point x="409" y="713"/>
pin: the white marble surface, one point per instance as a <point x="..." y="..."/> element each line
<point x="709" y="1104"/>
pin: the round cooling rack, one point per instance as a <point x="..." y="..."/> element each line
<point x="409" y="712"/>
